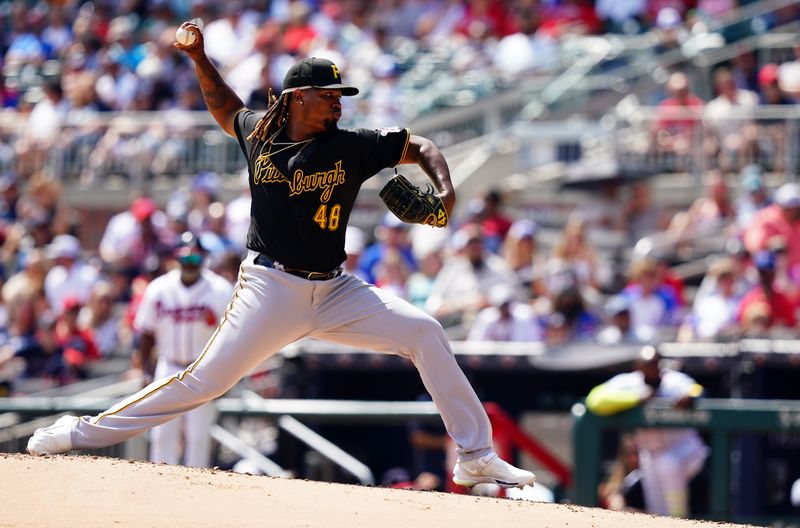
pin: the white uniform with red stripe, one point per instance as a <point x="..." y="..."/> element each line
<point x="182" y="319"/>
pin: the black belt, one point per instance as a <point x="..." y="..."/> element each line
<point x="263" y="260"/>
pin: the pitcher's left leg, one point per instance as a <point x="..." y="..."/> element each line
<point x="351" y="312"/>
<point x="360" y="315"/>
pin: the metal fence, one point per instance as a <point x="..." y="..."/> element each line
<point x="658" y="139"/>
<point x="135" y="147"/>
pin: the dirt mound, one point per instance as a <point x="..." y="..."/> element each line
<point x="66" y="491"/>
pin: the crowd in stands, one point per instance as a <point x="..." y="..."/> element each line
<point x="118" y="55"/>
<point x="70" y="61"/>
<point x="724" y="128"/>
<point x="487" y="278"/>
<point x="66" y="304"/>
<point x="496" y="283"/>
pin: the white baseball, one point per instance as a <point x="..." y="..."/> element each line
<point x="184" y="36"/>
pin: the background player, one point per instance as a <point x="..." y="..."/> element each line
<point x="178" y="313"/>
<point x="305" y="174"/>
<point x="668" y="458"/>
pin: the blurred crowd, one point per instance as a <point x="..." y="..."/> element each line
<point x="72" y="62"/>
<point x="490" y="277"/>
<point x="105" y="55"/>
<point x="492" y="280"/>
<point x="65" y="304"/>
<point x="724" y="128"/>
<point x="118" y="55"/>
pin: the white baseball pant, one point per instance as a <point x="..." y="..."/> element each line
<point x="190" y="430"/>
<point x="666" y="474"/>
<point x="271" y="309"/>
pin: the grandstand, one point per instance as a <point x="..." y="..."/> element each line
<point x="605" y="141"/>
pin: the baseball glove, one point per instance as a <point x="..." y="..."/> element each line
<point x="412" y="205"/>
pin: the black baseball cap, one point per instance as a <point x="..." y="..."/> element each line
<point x="314" y="72"/>
<point x="187" y="242"/>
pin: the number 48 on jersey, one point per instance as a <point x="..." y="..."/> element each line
<point x="327" y="220"/>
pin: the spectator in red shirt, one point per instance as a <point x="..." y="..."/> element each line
<point x="299" y="33"/>
<point x="486" y="17"/>
<point x="569" y="17"/>
<point x="678" y="116"/>
<point x="78" y="343"/>
<point x="670" y="280"/>
<point x="494" y="224"/>
<point x="764" y="294"/>
<point x="779" y="220"/>
<point x="772" y="133"/>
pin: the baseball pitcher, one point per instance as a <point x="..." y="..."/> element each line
<point x="305" y="173"/>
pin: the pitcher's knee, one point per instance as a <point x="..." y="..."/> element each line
<point x="426" y="329"/>
<point x="217" y="390"/>
<point x="427" y="337"/>
<point x="207" y="388"/>
<point x="428" y="326"/>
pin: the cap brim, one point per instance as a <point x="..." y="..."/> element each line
<point x="346" y="90"/>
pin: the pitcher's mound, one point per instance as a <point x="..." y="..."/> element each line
<point x="65" y="491"/>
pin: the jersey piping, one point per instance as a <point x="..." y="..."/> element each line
<point x="179" y="376"/>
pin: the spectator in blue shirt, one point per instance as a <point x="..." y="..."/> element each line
<point x="392" y="236"/>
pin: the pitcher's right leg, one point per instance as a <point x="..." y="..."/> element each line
<point x="267" y="312"/>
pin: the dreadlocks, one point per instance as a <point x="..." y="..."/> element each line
<point x="272" y="120"/>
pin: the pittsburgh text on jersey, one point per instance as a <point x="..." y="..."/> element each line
<point x="266" y="172"/>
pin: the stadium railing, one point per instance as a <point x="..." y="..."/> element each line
<point x="638" y="138"/>
<point x="288" y="414"/>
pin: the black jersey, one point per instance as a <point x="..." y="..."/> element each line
<point x="303" y="193"/>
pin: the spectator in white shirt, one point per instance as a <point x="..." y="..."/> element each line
<point x="754" y="196"/>
<point x="714" y="312"/>
<point x="116" y="87"/>
<point x="230" y="37"/>
<point x="69" y="277"/>
<point x="729" y="117"/>
<point x="134" y="235"/>
<point x="462" y="287"/>
<point x="526" y="50"/>
<point x="505" y="320"/>
<point x="43" y="126"/>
